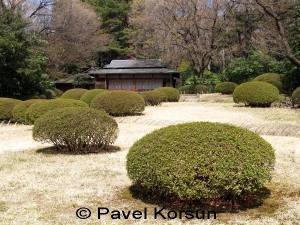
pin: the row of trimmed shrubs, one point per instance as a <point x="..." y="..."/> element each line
<point x="115" y="103"/>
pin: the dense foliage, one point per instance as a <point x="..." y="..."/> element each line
<point x="20" y="109"/>
<point x="200" y="160"/>
<point x="194" y="89"/>
<point x="38" y="109"/>
<point x="226" y="87"/>
<point x="256" y="94"/>
<point x="6" y="107"/>
<point x="119" y="102"/>
<point x="74" y="93"/>
<point x="21" y="58"/>
<point x="154" y="97"/>
<point x="88" y="96"/>
<point x="172" y="93"/>
<point x="67" y="129"/>
<point x="268" y="76"/>
<point x="296" y="96"/>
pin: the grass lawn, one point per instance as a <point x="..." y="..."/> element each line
<point x="40" y="186"/>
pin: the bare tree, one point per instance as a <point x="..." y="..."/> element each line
<point x="186" y="29"/>
<point x="74" y="35"/>
<point x="274" y="32"/>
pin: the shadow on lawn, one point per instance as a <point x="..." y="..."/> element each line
<point x="219" y="205"/>
<point x="54" y="150"/>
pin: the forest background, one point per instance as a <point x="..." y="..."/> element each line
<point x="207" y="41"/>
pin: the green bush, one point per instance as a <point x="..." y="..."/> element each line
<point x="75" y="93"/>
<point x="296" y="96"/>
<point x="58" y="93"/>
<point x="49" y="93"/>
<point x="272" y="78"/>
<point x="76" y="129"/>
<point x="20" y="109"/>
<point x="200" y="160"/>
<point x="38" y="109"/>
<point x="119" y="102"/>
<point x="268" y="76"/>
<point x="226" y="87"/>
<point x="154" y="97"/>
<point x="172" y="93"/>
<point x="277" y="84"/>
<point x="190" y="89"/>
<point x="256" y="94"/>
<point x="88" y="96"/>
<point x="6" y="107"/>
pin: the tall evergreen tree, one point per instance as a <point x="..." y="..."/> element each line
<point x="20" y="64"/>
<point x="115" y="23"/>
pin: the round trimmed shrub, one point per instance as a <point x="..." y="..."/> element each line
<point x="75" y="93"/>
<point x="268" y="76"/>
<point x="256" y="94"/>
<point x="58" y="93"/>
<point x="20" y="109"/>
<point x="119" y="102"/>
<point x="296" y="96"/>
<point x="272" y="78"/>
<point x="88" y="96"/>
<point x="226" y="87"/>
<point x="172" y="93"/>
<point x="154" y="97"/>
<point x="49" y="93"/>
<point x="38" y="109"/>
<point x="190" y="89"/>
<point x="200" y="160"/>
<point x="6" y="107"/>
<point x="75" y="129"/>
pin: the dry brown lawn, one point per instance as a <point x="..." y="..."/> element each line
<point x="39" y="186"/>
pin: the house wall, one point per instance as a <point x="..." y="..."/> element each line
<point x="134" y="82"/>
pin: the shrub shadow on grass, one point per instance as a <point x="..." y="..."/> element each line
<point x="54" y="151"/>
<point x="219" y="205"/>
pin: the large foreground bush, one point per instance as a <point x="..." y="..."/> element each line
<point x="38" y="109"/>
<point x="154" y="97"/>
<point x="172" y="93"/>
<point x="119" y="103"/>
<point x="200" y="160"/>
<point x="20" y="109"/>
<point x="75" y="93"/>
<point x="88" y="96"/>
<point x="226" y="87"/>
<point x="296" y="96"/>
<point x="6" y="107"/>
<point x="256" y="93"/>
<point x="76" y="129"/>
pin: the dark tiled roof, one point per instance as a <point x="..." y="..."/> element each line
<point x="137" y="63"/>
<point x="134" y="71"/>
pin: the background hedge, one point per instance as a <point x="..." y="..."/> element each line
<point x="272" y="78"/>
<point x="194" y="89"/>
<point x="154" y="97"/>
<point x="226" y="87"/>
<point x="200" y="160"/>
<point x="256" y="93"/>
<point x="119" y="102"/>
<point x="6" y="107"/>
<point x="20" y="109"/>
<point x="296" y="96"/>
<point x="75" y="93"/>
<point x="172" y="93"/>
<point x="76" y="129"/>
<point x="88" y="96"/>
<point x="38" y="109"/>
